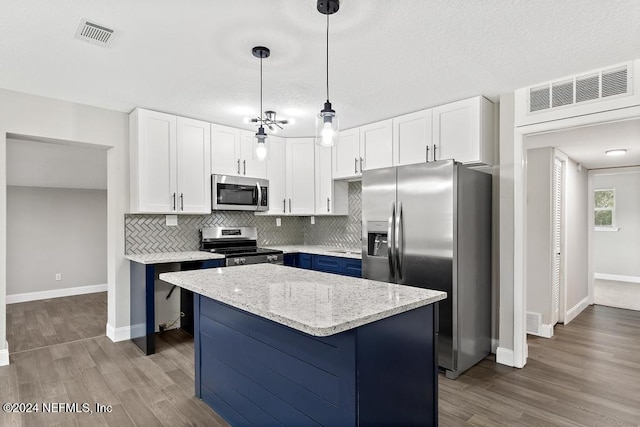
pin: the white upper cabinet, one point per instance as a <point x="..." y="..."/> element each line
<point x="412" y="136"/>
<point x="300" y="176"/>
<point x="170" y="166"/>
<point x="277" y="175"/>
<point x="464" y="131"/>
<point x="363" y="148"/>
<point x="376" y="145"/>
<point x="225" y="150"/>
<point x="346" y="155"/>
<point x="331" y="196"/>
<point x="233" y="153"/>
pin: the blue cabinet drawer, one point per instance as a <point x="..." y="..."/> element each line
<point x="328" y="264"/>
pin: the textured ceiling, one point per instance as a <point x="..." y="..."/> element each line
<point x="193" y="57"/>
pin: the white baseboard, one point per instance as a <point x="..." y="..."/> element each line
<point x="573" y="312"/>
<point x="4" y="355"/>
<point x="544" y="331"/>
<point x="126" y="332"/>
<point x="55" y="293"/>
<point x="504" y="356"/>
<point x="616" y="278"/>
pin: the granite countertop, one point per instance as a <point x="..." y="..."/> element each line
<point x="313" y="302"/>
<point x="168" y="257"/>
<point x="355" y="253"/>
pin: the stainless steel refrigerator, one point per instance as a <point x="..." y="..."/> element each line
<point x="429" y="225"/>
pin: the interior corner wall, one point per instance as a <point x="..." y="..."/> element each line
<point x="577" y="230"/>
<point x="539" y="231"/>
<point x="39" y="117"/>
<point x="55" y="230"/>
<point x="506" y="231"/>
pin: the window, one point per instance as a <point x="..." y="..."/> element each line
<point x="604" y="208"/>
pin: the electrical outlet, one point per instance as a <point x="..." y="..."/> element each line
<point x="162" y="327"/>
<point x="313" y="220"/>
<point x="58" y="276"/>
<point x="278" y="222"/>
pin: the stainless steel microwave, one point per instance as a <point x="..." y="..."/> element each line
<point x="239" y="193"/>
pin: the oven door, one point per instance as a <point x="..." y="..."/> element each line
<point x="239" y="193"/>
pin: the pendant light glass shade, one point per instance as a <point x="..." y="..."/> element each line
<point x="261" y="145"/>
<point x="327" y="126"/>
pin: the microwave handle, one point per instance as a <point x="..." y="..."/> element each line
<point x="259" y="195"/>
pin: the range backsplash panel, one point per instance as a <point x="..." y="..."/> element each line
<point x="149" y="233"/>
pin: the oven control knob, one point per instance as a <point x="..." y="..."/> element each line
<point x="243" y="260"/>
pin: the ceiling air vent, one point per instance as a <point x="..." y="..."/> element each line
<point x="94" y="33"/>
<point x="581" y="88"/>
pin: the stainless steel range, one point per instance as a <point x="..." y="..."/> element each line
<point x="239" y="245"/>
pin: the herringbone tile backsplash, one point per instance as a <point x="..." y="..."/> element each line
<point x="149" y="233"/>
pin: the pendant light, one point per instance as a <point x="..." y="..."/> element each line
<point x="327" y="121"/>
<point x="261" y="137"/>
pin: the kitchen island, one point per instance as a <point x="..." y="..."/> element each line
<point x="279" y="345"/>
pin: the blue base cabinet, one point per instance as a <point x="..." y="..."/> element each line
<point x="328" y="264"/>
<point x="253" y="371"/>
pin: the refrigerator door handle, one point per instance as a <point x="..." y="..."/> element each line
<point x="399" y="243"/>
<point x="390" y="239"/>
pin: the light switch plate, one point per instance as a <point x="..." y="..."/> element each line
<point x="172" y="220"/>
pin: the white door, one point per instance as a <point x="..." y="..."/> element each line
<point x="412" y="136"/>
<point x="557" y="267"/>
<point x="276" y="174"/>
<point x="346" y="155"/>
<point x="193" y="166"/>
<point x="225" y="150"/>
<point x="376" y="145"/>
<point x="300" y="176"/>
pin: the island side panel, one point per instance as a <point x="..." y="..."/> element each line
<point x="398" y="369"/>
<point x="254" y="371"/>
<point x="142" y="306"/>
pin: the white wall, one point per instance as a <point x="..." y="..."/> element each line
<point x="618" y="252"/>
<point x="577" y="231"/>
<point x="55" y="230"/>
<point x="539" y="231"/>
<point x="39" y="117"/>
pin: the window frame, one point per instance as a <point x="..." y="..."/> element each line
<point x="596" y="209"/>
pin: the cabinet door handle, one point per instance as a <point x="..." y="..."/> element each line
<point x="244" y="167"/>
<point x="355" y="165"/>
<point x="290" y="205"/>
<point x="238" y="166"/>
<point x="434" y="152"/>
<point x="328" y="210"/>
<point x="360" y="164"/>
<point x="181" y="201"/>
<point x="174" y="201"/>
<point x="427" y="153"/>
<point x="284" y="205"/>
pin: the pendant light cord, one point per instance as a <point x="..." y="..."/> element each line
<point x="260" y="112"/>
<point x="327" y="58"/>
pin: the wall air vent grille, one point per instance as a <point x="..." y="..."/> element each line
<point x="614" y="82"/>
<point x="539" y="98"/>
<point x="94" y="33"/>
<point x="562" y="94"/>
<point x="582" y="88"/>
<point x="534" y="320"/>
<point x="587" y="88"/>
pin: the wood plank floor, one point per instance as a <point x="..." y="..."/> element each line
<point x="588" y="374"/>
